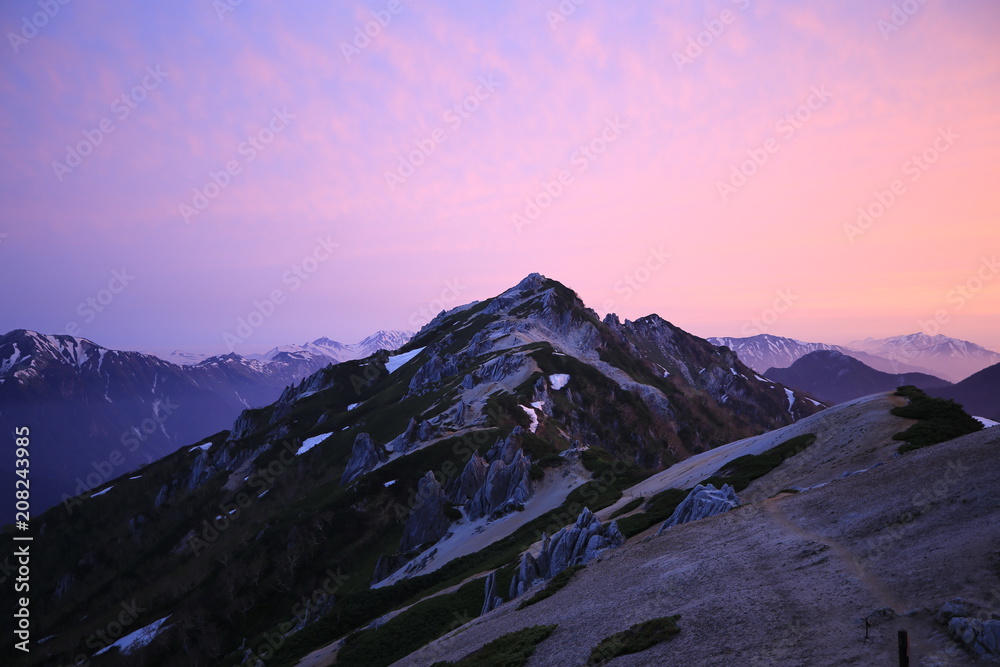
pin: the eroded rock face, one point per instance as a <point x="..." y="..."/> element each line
<point x="979" y="636"/>
<point x="574" y="545"/>
<point x="416" y="432"/>
<point x="427" y="522"/>
<point x="703" y="501"/>
<point x="491" y="600"/>
<point x="365" y="456"/>
<point x="497" y="484"/>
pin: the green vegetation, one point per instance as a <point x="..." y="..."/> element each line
<point x="422" y="623"/>
<point x="940" y="420"/>
<point x="510" y="650"/>
<point x="658" y="509"/>
<point x="639" y="637"/>
<point x="556" y="584"/>
<point x="628" y="507"/>
<point x="738" y="473"/>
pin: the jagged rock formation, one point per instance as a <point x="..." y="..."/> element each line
<point x="497" y="484"/>
<point x="978" y="636"/>
<point x="415" y="433"/>
<point x="365" y="456"/>
<point x="427" y="522"/>
<point x="491" y="600"/>
<point x="574" y="545"/>
<point x="703" y="501"/>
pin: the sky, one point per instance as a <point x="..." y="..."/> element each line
<point x="232" y="175"/>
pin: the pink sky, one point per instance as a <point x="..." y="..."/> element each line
<point x="643" y="207"/>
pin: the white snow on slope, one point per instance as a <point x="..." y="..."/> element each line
<point x="309" y="443"/>
<point x="398" y="360"/>
<point x="533" y="416"/>
<point x="791" y="398"/>
<point x="558" y="380"/>
<point x="987" y="423"/>
<point x="201" y="447"/>
<point x="137" y="639"/>
<point x="101" y="492"/>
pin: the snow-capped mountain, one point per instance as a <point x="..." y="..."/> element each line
<point x="336" y="351"/>
<point x="950" y="358"/>
<point x="96" y="412"/>
<point x="765" y="351"/>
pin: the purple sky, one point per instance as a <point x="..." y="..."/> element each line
<point x="215" y="159"/>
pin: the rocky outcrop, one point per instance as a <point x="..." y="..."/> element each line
<point x="574" y="545"/>
<point x="497" y="484"/>
<point x="365" y="456"/>
<point x="703" y="501"/>
<point x="427" y="522"/>
<point x="436" y="369"/>
<point x="491" y="600"/>
<point x="467" y="484"/>
<point x="506" y="488"/>
<point x="980" y="637"/>
<point x="415" y="433"/>
<point x="496" y="370"/>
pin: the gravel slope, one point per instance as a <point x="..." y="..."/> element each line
<point x="788" y="580"/>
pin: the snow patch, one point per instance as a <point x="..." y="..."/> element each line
<point x="137" y="639"/>
<point x="101" y="492"/>
<point x="987" y="423"/>
<point x="791" y="398"/>
<point x="201" y="447"/>
<point x="136" y="477"/>
<point x="816" y="403"/>
<point x="309" y="443"/>
<point x="390" y="483"/>
<point x="352" y="406"/>
<point x="558" y="380"/>
<point x="533" y="416"/>
<point x="398" y="360"/>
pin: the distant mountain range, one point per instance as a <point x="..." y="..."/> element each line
<point x="948" y="358"/>
<point x="326" y="349"/>
<point x="834" y="377"/>
<point x="95" y="413"/>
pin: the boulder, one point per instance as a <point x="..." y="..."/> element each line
<point x="703" y="501"/>
<point x="365" y="456"/>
